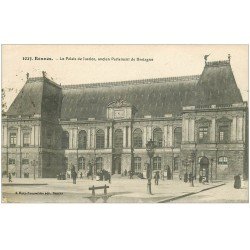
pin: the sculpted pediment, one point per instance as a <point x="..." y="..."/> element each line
<point x="119" y="103"/>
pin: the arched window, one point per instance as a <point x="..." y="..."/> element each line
<point x="158" y="137"/>
<point x="26" y="139"/>
<point x="81" y="163"/>
<point x="99" y="164"/>
<point x="222" y="160"/>
<point x="118" y="142"/>
<point x="137" y="164"/>
<point x="100" y="138"/>
<point x="82" y="140"/>
<point x="157" y="163"/>
<point x="177" y="137"/>
<point x="65" y="140"/>
<point x="137" y="138"/>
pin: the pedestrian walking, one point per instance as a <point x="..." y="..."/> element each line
<point x="10" y="178"/>
<point x="125" y="172"/>
<point x="190" y="177"/>
<point x="157" y="177"/>
<point x="186" y="177"/>
<point x="109" y="177"/>
<point x="81" y="175"/>
<point x="130" y="174"/>
<point x="169" y="174"/>
<point x="74" y="175"/>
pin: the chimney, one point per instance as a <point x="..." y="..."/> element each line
<point x="44" y="73"/>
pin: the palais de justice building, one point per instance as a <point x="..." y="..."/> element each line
<point x="49" y="127"/>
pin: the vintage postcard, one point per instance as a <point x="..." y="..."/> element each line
<point x="124" y="124"/>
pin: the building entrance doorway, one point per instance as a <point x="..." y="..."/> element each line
<point x="116" y="166"/>
<point x="204" y="168"/>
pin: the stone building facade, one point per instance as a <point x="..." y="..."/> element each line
<point x="198" y="123"/>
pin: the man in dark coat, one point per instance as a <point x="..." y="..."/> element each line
<point x="157" y="177"/>
<point x="169" y="175"/>
<point x="74" y="175"/>
<point x="10" y="177"/>
<point x="186" y="177"/>
<point x="237" y="181"/>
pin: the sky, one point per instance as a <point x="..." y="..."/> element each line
<point x="164" y="61"/>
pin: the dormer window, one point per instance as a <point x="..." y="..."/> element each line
<point x="120" y="109"/>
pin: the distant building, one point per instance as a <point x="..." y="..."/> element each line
<point x="196" y="120"/>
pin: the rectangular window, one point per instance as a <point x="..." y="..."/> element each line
<point x="25" y="161"/>
<point x="12" y="139"/>
<point x="203" y="134"/>
<point x="12" y="161"/>
<point x="81" y="163"/>
<point x="157" y="163"/>
<point x="222" y="160"/>
<point x="137" y="164"/>
<point x="26" y="139"/>
<point x="98" y="163"/>
<point x="221" y="135"/>
<point x="224" y="133"/>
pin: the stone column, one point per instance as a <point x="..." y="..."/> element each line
<point x="5" y="136"/>
<point x="110" y="137"/>
<point x="234" y="129"/>
<point x="88" y="138"/>
<point x="124" y="137"/>
<point x="212" y="131"/>
<point x="32" y="139"/>
<point x="18" y="142"/>
<point x="191" y="130"/>
<point x="71" y="138"/>
<point x="165" y="136"/>
<point x="144" y="137"/>
<point x="185" y="129"/>
<point x="75" y="138"/>
<point x="149" y="133"/>
<point x="170" y="135"/>
<point x="129" y="137"/>
<point x="93" y="135"/>
<point x="239" y="128"/>
<point x="37" y="135"/>
<point x="106" y="137"/>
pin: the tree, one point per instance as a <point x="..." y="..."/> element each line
<point x="4" y="105"/>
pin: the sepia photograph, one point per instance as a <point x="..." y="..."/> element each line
<point x="124" y="124"/>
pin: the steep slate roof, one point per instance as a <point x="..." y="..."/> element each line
<point x="29" y="99"/>
<point x="156" y="97"/>
<point x="217" y="85"/>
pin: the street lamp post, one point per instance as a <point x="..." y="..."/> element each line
<point x="172" y="175"/>
<point x="150" y="150"/>
<point x="34" y="163"/>
<point x="211" y="170"/>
